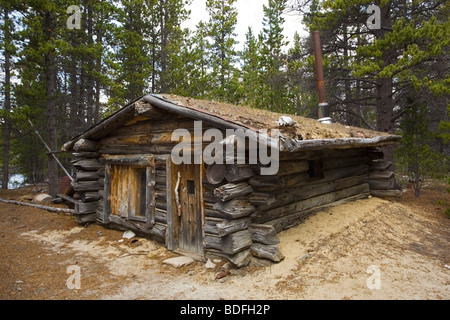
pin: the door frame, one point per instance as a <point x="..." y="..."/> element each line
<point x="172" y="235"/>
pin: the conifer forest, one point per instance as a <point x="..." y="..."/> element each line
<point x="65" y="65"/>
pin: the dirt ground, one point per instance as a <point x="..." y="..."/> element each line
<point x="369" y="249"/>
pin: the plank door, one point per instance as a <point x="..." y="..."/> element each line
<point x="189" y="217"/>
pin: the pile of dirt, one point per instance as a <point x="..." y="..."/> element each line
<point x="339" y="253"/>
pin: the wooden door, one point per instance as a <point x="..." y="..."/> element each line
<point x="188" y="213"/>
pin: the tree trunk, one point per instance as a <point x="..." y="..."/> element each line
<point x="50" y="77"/>
<point x="7" y="103"/>
<point x="384" y="99"/>
<point x="90" y="78"/>
<point x="164" y="42"/>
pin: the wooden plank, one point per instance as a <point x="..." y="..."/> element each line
<point x="292" y="167"/>
<point x="272" y="182"/>
<point x="147" y="110"/>
<point x="38" y="206"/>
<point x="380" y="165"/>
<point x="323" y="153"/>
<point x="236" y="242"/>
<point x="86" y="145"/>
<point x="138" y="139"/>
<point x="87" y="165"/>
<point x="231" y="226"/>
<point x="335" y="162"/>
<point x="67" y="198"/>
<point x="210" y="225"/>
<point x="84" y="208"/>
<point x="386" y="193"/>
<point x="381" y="184"/>
<point x="263" y="217"/>
<point x="263" y="233"/>
<point x="130" y="149"/>
<point x="172" y="230"/>
<point x="287" y="196"/>
<point x="236" y="208"/>
<point x="261" y="198"/>
<point x="232" y="190"/>
<point x="154" y="127"/>
<point x="89" y="196"/>
<point x="236" y="172"/>
<point x="86" y="176"/>
<point x="150" y="195"/>
<point x="296" y="179"/>
<point x="381" y="175"/>
<point x="213" y="242"/>
<point x="266" y="251"/>
<point x="85" y="186"/>
<point x="201" y="219"/>
<point x="107" y="195"/>
<point x="209" y="212"/>
<point x="294" y="219"/>
<point x="143" y="160"/>
<point x="340" y="143"/>
<point x="161" y="216"/>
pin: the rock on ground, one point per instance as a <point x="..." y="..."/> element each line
<point x="179" y="261"/>
<point x="42" y="198"/>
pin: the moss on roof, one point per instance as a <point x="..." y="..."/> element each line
<point x="304" y="128"/>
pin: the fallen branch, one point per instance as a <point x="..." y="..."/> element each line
<point x="38" y="206"/>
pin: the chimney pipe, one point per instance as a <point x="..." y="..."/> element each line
<point x="323" y="105"/>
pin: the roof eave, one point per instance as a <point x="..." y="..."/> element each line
<point x="291" y="145"/>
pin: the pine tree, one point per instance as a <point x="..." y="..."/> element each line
<point x="172" y="14"/>
<point x="273" y="58"/>
<point x="415" y="153"/>
<point x="300" y="86"/>
<point x="382" y="66"/>
<point x="8" y="50"/>
<point x="198" y="83"/>
<point x="392" y="60"/>
<point x="221" y="31"/>
<point x="251" y="70"/>
<point x="131" y="69"/>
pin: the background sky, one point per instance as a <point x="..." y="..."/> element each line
<point x="250" y="13"/>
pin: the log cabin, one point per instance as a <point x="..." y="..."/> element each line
<point x="127" y="175"/>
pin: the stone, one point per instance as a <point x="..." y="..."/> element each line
<point x="178" y="262"/>
<point x="128" y="234"/>
<point x="42" y="198"/>
<point x="209" y="264"/>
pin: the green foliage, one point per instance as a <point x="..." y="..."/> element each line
<point x="126" y="48"/>
<point x="274" y="93"/>
<point x="444" y="128"/>
<point x="415" y="155"/>
<point x="221" y="47"/>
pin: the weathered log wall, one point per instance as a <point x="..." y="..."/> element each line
<point x="244" y="215"/>
<point x="382" y="177"/>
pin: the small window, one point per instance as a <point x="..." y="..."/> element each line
<point x="191" y="186"/>
<point x="316" y="169"/>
